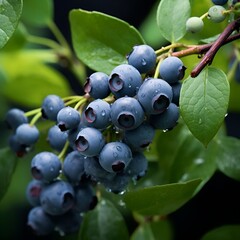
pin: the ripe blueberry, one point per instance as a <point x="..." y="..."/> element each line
<point x="142" y="57"/>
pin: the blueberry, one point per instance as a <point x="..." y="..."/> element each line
<point x="118" y="184"/>
<point x="143" y="58"/>
<point x="176" y="88"/>
<point x="72" y="134"/>
<point x="85" y="198"/>
<point x="219" y="2"/>
<point x="27" y="134"/>
<point x="16" y="146"/>
<point x="137" y="167"/>
<point x="45" y="166"/>
<point x="172" y="69"/>
<point x="33" y="192"/>
<point x="127" y="113"/>
<point x="73" y="167"/>
<point x="124" y="80"/>
<point x="155" y="95"/>
<point x="56" y="138"/>
<point x="115" y="156"/>
<point x="68" y="118"/>
<point x="216" y="13"/>
<point x="194" y="24"/>
<point x="89" y="141"/>
<point x="40" y="222"/>
<point x="97" y="114"/>
<point x="97" y="85"/>
<point x="139" y="138"/>
<point x="57" y="198"/>
<point x="166" y="120"/>
<point x="51" y="105"/>
<point x="94" y="170"/>
<point x="68" y="223"/>
<point x="14" y="118"/>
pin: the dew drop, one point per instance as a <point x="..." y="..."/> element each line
<point x="165" y="130"/>
<point x="103" y="113"/>
<point x="226" y="114"/>
<point x="121" y="203"/>
<point x="143" y="61"/>
<point x="119" y="148"/>
<point x="199" y="161"/>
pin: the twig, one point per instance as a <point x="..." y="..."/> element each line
<point x="208" y="57"/>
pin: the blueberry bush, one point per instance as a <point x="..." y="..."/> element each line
<point x="108" y="135"/>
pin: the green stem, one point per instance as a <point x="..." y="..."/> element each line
<point x="35" y="118"/>
<point x="204" y="15"/>
<point x="156" y="73"/>
<point x="57" y="33"/>
<point x="81" y="102"/>
<point x="32" y="112"/>
<point x="171" y="46"/>
<point x="63" y="152"/>
<point x="44" y="41"/>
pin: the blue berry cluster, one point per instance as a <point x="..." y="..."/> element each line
<point x="98" y="138"/>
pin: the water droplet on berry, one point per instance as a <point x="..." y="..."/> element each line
<point x="119" y="148"/>
<point x="103" y="113"/>
<point x="165" y="130"/>
<point x="143" y="61"/>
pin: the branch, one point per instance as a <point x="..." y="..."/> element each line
<point x="208" y="57"/>
<point x="201" y="49"/>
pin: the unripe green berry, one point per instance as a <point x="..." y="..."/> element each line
<point x="216" y="13"/>
<point x="194" y="24"/>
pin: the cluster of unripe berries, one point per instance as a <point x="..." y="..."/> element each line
<point x="100" y="139"/>
<point x="216" y="13"/>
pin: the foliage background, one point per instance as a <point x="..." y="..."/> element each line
<point x="215" y="205"/>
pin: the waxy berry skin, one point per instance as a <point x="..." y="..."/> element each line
<point x="143" y="58"/>
<point x="124" y="80"/>
<point x="45" y="166"/>
<point x="51" y="105"/>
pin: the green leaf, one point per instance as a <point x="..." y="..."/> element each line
<point x="8" y="163"/>
<point x="193" y="160"/>
<point x="105" y="222"/>
<point x="227" y="232"/>
<point x="186" y="159"/>
<point x="102" y="41"/>
<point x="155" y="230"/>
<point x="228" y="157"/>
<point x="29" y="79"/>
<point x="203" y="103"/>
<point x="171" y="18"/>
<point x="37" y="13"/>
<point x="10" y="12"/>
<point x="150" y="30"/>
<point x="161" y="199"/>
<point x="18" y="39"/>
